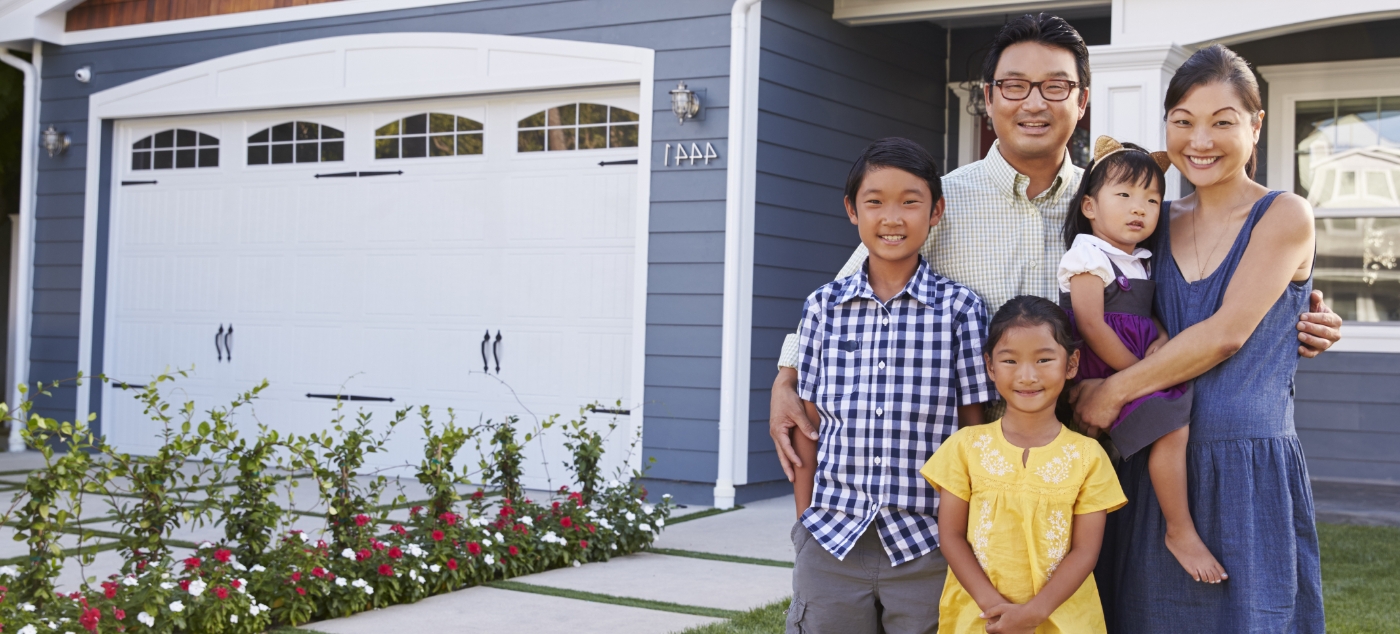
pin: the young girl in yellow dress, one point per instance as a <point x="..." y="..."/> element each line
<point x="1023" y="500"/>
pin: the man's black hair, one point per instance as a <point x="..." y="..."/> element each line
<point x="901" y="154"/>
<point x="1050" y="30"/>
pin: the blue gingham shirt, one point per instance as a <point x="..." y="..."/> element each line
<point x="888" y="379"/>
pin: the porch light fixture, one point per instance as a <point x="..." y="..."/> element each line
<point x="685" y="103"/>
<point x="976" y="99"/>
<point x="54" y="142"/>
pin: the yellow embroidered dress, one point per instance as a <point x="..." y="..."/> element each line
<point x="1019" y="518"/>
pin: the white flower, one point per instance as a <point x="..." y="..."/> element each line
<point x="647" y="509"/>
<point x="358" y="583"/>
<point x="258" y="568"/>
<point x="527" y="520"/>
<point x="239" y="567"/>
<point x="660" y="521"/>
<point x="490" y="560"/>
<point x="645" y="527"/>
<point x="242" y="586"/>
<point x="499" y="537"/>
<point x="576" y="563"/>
<point x="146" y="619"/>
<point x="164" y="575"/>
<point x="197" y="587"/>
<point x="233" y="618"/>
<point x="28" y="629"/>
<point x="666" y="497"/>
<point x="415" y="550"/>
<point x="434" y="568"/>
<point x="205" y="544"/>
<point x="262" y="607"/>
<point x="8" y="571"/>
<point x="129" y="581"/>
<point x="592" y="514"/>
<point x="166" y="585"/>
<point x="369" y="589"/>
<point x="485" y="542"/>
<point x="304" y="539"/>
<point x="177" y="607"/>
<point x="347" y="553"/>
<point x="253" y="609"/>
<point x="613" y="546"/>
<point x="613" y="484"/>
<point x="340" y="581"/>
<point x="631" y="517"/>
<point x="27" y="607"/>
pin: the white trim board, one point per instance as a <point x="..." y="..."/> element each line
<point x="368" y="68"/>
<point x="1291" y="83"/>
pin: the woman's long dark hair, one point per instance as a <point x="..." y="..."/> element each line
<point x="1212" y="64"/>
<point x="1133" y="165"/>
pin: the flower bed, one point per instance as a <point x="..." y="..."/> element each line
<point x="291" y="578"/>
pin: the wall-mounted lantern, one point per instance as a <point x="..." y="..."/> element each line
<point x="685" y="103"/>
<point x="54" y="142"/>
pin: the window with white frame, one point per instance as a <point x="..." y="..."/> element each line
<point x="1347" y="164"/>
<point x="428" y="134"/>
<point x="577" y="126"/>
<point x="296" y="142"/>
<point x="175" y="149"/>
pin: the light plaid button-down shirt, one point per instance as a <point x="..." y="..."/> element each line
<point x="888" y="379"/>
<point x="992" y="239"/>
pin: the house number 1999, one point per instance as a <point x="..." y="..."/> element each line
<point x="693" y="155"/>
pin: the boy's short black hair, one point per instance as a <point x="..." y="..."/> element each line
<point x="1044" y="28"/>
<point x="899" y="153"/>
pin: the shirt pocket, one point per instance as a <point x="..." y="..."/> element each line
<point x="841" y="371"/>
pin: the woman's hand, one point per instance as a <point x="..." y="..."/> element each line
<point x="1011" y="618"/>
<point x="1095" y="408"/>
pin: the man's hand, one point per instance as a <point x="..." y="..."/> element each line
<point x="1093" y="411"/>
<point x="1318" y="329"/>
<point x="785" y="411"/>
<point x="1011" y="618"/>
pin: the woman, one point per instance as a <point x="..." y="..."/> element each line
<point x="1234" y="271"/>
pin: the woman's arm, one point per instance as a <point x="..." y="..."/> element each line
<point x="1086" y="296"/>
<point x="952" y="541"/>
<point x="805" y="474"/>
<point x="1069" y="576"/>
<point x="1281" y="243"/>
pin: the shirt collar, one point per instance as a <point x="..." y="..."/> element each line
<point x="1101" y="244"/>
<point x="918" y="286"/>
<point x="1013" y="184"/>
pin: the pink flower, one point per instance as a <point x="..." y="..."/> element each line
<point x="362" y="555"/>
<point x="301" y="591"/>
<point x="583" y="543"/>
<point x="566" y="521"/>
<point x="451" y="564"/>
<point x="192" y="562"/>
<point x="439" y="536"/>
<point x="415" y="510"/>
<point x="236" y="584"/>
<point x="514" y="551"/>
<point x="318" y="572"/>
<point x="119" y="613"/>
<point x="395" y="553"/>
<point x="222" y="555"/>
<point x="296" y="576"/>
<point x="386" y="570"/>
<point x="361" y="519"/>
<point x="474" y="548"/>
<point x="221" y="592"/>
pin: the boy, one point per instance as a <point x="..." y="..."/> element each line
<point x="891" y="363"/>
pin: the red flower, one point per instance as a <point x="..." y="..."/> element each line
<point x="192" y="562"/>
<point x="583" y="543"/>
<point x="448" y="518"/>
<point x="474" y="548"/>
<point x="185" y="585"/>
<point x="439" y="536"/>
<point x="478" y="495"/>
<point x="90" y="619"/>
<point x="318" y="572"/>
<point x="301" y="591"/>
<point x="566" y="521"/>
<point x="451" y="564"/>
<point x="378" y="545"/>
<point x="141" y="565"/>
<point x="296" y="576"/>
<point x="514" y="551"/>
<point x="236" y="584"/>
<point x="592" y="528"/>
<point x="415" y="510"/>
<point x="555" y="506"/>
<point x="221" y="592"/>
<point x="362" y="555"/>
<point x="119" y="613"/>
<point x="398" y="528"/>
<point x="109" y="589"/>
<point x="395" y="553"/>
<point x="506" y="511"/>
<point x="222" y="555"/>
<point x="361" y="519"/>
<point x="386" y="570"/>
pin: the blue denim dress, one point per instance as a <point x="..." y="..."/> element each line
<point x="1248" y="484"/>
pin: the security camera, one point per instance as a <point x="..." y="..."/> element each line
<point x="83" y="74"/>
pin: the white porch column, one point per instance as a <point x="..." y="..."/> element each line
<point x="1129" y="83"/>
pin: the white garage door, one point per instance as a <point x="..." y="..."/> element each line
<point x="470" y="254"/>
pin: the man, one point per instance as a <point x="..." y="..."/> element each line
<point x="1001" y="233"/>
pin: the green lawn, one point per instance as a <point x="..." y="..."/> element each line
<point x="1360" y="584"/>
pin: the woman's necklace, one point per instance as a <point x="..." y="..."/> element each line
<point x="1201" y="264"/>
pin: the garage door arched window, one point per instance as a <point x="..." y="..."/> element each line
<point x="428" y="134"/>
<point x="296" y="142"/>
<point x="175" y="149"/>
<point x="577" y="126"/>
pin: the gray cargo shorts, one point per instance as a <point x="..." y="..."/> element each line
<point x="863" y="594"/>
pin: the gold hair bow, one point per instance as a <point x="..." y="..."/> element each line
<point x="1106" y="145"/>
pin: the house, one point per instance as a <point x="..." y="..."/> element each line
<point x="518" y="207"/>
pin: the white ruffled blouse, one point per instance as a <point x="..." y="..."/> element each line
<point x="1091" y="254"/>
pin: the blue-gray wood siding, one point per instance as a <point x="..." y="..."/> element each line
<point x="1348" y="415"/>
<point x="825" y="92"/>
<point x="687" y="213"/>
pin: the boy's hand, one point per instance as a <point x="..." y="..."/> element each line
<point x="786" y="412"/>
<point x="1319" y="328"/>
<point x="1011" y="618"/>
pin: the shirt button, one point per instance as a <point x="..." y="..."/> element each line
<point x="882" y="365"/>
<point x="879" y="411"/>
<point x="885" y="321"/>
<point x="874" y="508"/>
<point x="877" y="460"/>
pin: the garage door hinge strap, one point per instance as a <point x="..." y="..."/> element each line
<point x="353" y="397"/>
<point x="627" y="162"/>
<point x="356" y="174"/>
<point x="124" y="183"/>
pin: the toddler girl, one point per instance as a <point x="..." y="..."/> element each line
<point x="1023" y="500"/>
<point x="1105" y="288"/>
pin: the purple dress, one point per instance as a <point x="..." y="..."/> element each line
<point x="1127" y="309"/>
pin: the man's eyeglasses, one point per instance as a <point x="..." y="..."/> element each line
<point x="1050" y="89"/>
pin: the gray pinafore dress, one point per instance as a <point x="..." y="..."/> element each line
<point x="1248" y="484"/>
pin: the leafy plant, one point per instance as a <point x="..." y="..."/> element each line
<point x="336" y="462"/>
<point x="586" y="449"/>
<point x="436" y="472"/>
<point x="251" y="515"/>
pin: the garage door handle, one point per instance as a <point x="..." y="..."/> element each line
<point x="228" y="343"/>
<point x="496" y="351"/>
<point x="219" y="342"/>
<point x="485" y="366"/>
